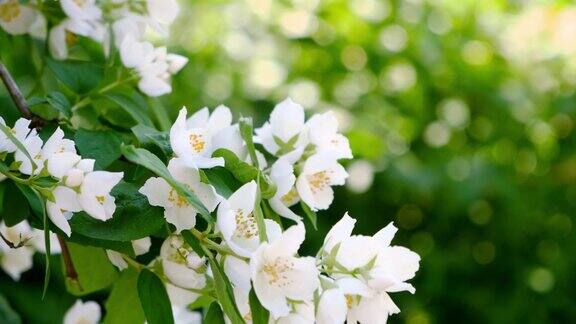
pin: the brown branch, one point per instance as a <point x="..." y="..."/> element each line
<point x="71" y="273"/>
<point x="18" y="98"/>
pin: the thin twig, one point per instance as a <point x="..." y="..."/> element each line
<point x="68" y="264"/>
<point x="18" y="98"/>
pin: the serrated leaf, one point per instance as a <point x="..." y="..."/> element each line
<point x="123" y="305"/>
<point x="260" y="315"/>
<point x="153" y="163"/>
<point x="102" y="146"/>
<point x="133" y="219"/>
<point x="154" y="298"/>
<point x="79" y="76"/>
<point x="95" y="272"/>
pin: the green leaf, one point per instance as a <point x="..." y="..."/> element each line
<point x="46" y="225"/>
<point x="201" y="302"/>
<point x="7" y="314"/>
<point x="36" y="204"/>
<point x="137" y="112"/>
<point x="153" y="163"/>
<point x="214" y="314"/>
<point x="149" y="135"/>
<point x="260" y="315"/>
<point x="102" y="146"/>
<point x="222" y="180"/>
<point x="241" y="170"/>
<point x="118" y="246"/>
<point x="15" y="205"/>
<point x="80" y="77"/>
<point x="95" y="272"/>
<point x="154" y="298"/>
<point x="247" y="133"/>
<point x="123" y="305"/>
<point x="133" y="219"/>
<point x="193" y="242"/>
<point x="224" y="291"/>
<point x="59" y="101"/>
<point x="245" y="172"/>
<point x="309" y="213"/>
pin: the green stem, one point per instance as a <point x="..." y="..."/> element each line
<point x="131" y="262"/>
<point x="215" y="246"/>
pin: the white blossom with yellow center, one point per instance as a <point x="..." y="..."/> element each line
<point x="237" y="223"/>
<point x="321" y="171"/>
<point x="17" y="19"/>
<point x="278" y="276"/>
<point x="94" y="196"/>
<point x="177" y="210"/>
<point x="176" y="258"/>
<point x="191" y="139"/>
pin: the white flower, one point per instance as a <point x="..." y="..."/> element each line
<point x="75" y="176"/>
<point x="237" y="223"/>
<point x="380" y="269"/>
<point x="17" y="19"/>
<point x="180" y="296"/>
<point x="162" y="13"/>
<point x="33" y="145"/>
<point x="20" y="131"/>
<point x="284" y="128"/>
<point x="191" y="139"/>
<point x="282" y="174"/>
<point x="16" y="261"/>
<point x="83" y="313"/>
<point x="140" y="246"/>
<point x="60" y="154"/>
<point x="183" y="315"/>
<point x="95" y="197"/>
<point x="81" y="9"/>
<point x="62" y="208"/>
<point x="177" y="210"/>
<point x="130" y="25"/>
<point x="322" y="131"/>
<point x="373" y="309"/>
<point x="278" y="275"/>
<point x="238" y="271"/>
<point x="176" y="256"/>
<point x="154" y="65"/>
<point x="38" y="243"/>
<point x="319" y="174"/>
<point x="59" y="37"/>
<point x="335" y="302"/>
<point x="302" y="313"/>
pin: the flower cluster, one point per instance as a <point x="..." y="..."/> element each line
<point x="114" y="23"/>
<point x="350" y="277"/>
<point x="74" y="185"/>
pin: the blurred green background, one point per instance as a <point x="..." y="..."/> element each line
<point x="461" y="118"/>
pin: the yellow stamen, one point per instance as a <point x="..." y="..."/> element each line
<point x="197" y="142"/>
<point x="9" y="11"/>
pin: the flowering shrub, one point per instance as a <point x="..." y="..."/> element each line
<point x="206" y="214"/>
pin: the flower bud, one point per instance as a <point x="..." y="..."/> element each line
<point x="194" y="261"/>
<point x="74" y="178"/>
